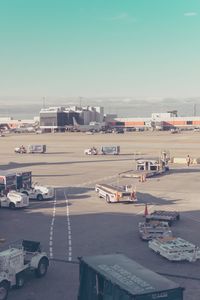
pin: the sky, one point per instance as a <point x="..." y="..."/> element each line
<point x="99" y="48"/>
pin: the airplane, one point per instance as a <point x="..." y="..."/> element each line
<point x="23" y="129"/>
<point x="93" y="126"/>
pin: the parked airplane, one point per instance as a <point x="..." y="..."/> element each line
<point x="93" y="126"/>
<point x="24" y="129"/>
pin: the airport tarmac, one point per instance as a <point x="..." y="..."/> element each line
<point x="77" y="223"/>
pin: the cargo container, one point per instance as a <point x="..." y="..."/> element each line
<point x="117" y="277"/>
<point x="36" y="149"/>
<point x="24" y="180"/>
<point x="113" y="150"/>
<point x="8" y="182"/>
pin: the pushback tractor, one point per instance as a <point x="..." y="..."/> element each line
<point x="17" y="260"/>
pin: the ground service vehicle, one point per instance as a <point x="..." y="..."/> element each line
<point x="113" y="150"/>
<point x="31" y="149"/>
<point x="40" y="192"/>
<point x="113" y="193"/>
<point x="153" y="229"/>
<point x="16" y="261"/>
<point x="91" y="151"/>
<point x="20" y="150"/>
<point x="116" y="277"/>
<point x="161" y="215"/>
<point x="174" y="130"/>
<point x="175" y="249"/>
<point x="35" y="192"/>
<point x="14" y="200"/>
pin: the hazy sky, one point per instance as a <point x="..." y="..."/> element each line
<point x="139" y="48"/>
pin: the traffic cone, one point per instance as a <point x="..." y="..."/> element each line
<point x="146" y="210"/>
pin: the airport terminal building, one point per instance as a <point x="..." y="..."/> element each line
<point x="159" y="121"/>
<point x="59" y="118"/>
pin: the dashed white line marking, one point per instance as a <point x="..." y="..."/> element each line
<point x="69" y="233"/>
<point x="52" y="229"/>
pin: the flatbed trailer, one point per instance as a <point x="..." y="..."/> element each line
<point x="175" y="249"/>
<point x="113" y="193"/>
<point x="162" y="215"/>
<point x="153" y="229"/>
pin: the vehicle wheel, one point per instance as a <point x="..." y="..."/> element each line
<point x="20" y="280"/>
<point x="107" y="199"/>
<point x="39" y="197"/>
<point x="42" y="268"/>
<point x="4" y="287"/>
<point x="12" y="205"/>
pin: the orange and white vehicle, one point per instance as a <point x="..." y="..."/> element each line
<point x="114" y="194"/>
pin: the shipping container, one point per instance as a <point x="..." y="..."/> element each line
<point x="117" y="277"/>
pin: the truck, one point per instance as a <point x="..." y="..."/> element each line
<point x="113" y="194"/>
<point x="21" y="257"/>
<point x="166" y="216"/>
<point x="110" y="150"/>
<point x="9" y="197"/>
<point x="14" y="200"/>
<point x="175" y="249"/>
<point x="31" y="149"/>
<point x="153" y="229"/>
<point x="115" y="276"/>
<point x="35" y="191"/>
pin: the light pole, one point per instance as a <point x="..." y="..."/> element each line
<point x="43" y="101"/>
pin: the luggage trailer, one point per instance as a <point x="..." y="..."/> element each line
<point x="153" y="229"/>
<point x="166" y="216"/>
<point x="175" y="249"/>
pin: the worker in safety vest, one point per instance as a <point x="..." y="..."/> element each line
<point x="133" y="195"/>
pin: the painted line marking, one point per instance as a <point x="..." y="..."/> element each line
<point x="69" y="232"/>
<point x="52" y="228"/>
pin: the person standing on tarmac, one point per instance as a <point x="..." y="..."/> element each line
<point x="188" y="160"/>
